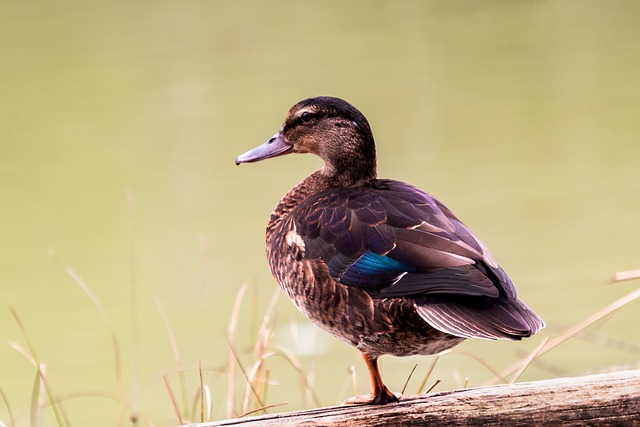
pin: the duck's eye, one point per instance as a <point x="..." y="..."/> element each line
<point x="305" y="117"/>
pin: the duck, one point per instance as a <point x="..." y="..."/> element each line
<point x="380" y="264"/>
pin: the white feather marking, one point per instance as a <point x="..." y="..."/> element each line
<point x="398" y="278"/>
<point x="459" y="257"/>
<point x="294" y="241"/>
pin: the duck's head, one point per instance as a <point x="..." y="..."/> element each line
<point x="330" y="128"/>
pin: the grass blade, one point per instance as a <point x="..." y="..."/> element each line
<point x="30" y="351"/>
<point x="595" y="317"/>
<point x="37" y="399"/>
<point x="232" y="330"/>
<point x="176" y="352"/>
<point x="133" y="309"/>
<point x="625" y="275"/>
<point x="527" y="361"/>
<point x="406" y="383"/>
<point x="172" y="396"/>
<point x="12" y="420"/>
<point x="117" y="356"/>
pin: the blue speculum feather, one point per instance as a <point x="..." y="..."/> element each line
<point x="373" y="271"/>
<point x="373" y="263"/>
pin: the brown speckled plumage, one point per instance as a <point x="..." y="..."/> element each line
<point x="379" y="264"/>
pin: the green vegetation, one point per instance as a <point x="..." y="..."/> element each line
<point x="248" y="371"/>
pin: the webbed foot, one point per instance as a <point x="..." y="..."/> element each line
<point x="380" y="394"/>
<point x="381" y="398"/>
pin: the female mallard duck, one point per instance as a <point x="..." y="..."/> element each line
<point x="379" y="263"/>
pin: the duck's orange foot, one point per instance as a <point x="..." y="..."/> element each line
<point x="381" y="398"/>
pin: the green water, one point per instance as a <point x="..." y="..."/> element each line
<point x="523" y="117"/>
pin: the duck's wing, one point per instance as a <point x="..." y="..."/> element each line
<point x="393" y="240"/>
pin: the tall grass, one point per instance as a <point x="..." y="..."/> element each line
<point x="247" y="369"/>
<point x="42" y="393"/>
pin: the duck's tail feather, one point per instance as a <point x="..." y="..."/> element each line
<point x="510" y="319"/>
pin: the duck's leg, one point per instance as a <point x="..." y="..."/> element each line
<point x="380" y="394"/>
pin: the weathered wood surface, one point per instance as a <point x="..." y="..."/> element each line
<point x="599" y="400"/>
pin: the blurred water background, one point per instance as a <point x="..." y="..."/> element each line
<point x="120" y="122"/>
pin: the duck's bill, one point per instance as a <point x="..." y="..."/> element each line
<point x="276" y="146"/>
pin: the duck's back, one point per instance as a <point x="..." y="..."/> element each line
<point x="369" y="253"/>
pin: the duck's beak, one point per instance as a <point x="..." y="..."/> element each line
<point x="276" y="146"/>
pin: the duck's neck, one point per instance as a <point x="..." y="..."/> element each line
<point x="318" y="181"/>
<point x="312" y="184"/>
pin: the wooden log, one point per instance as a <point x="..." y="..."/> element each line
<point x="599" y="400"/>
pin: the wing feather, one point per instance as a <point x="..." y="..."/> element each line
<point x="393" y="240"/>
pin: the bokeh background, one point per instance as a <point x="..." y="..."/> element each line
<point x="120" y="121"/>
